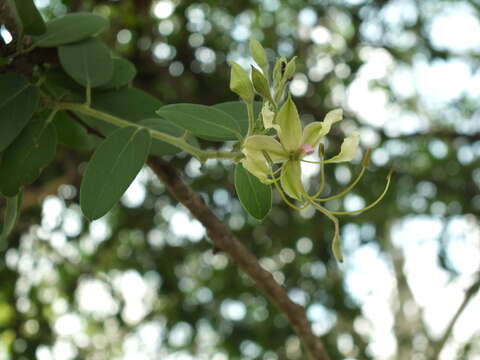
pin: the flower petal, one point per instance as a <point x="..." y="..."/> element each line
<point x="348" y="149"/>
<point x="313" y="133"/>
<point x="258" y="167"/>
<point x="265" y="143"/>
<point x="291" y="179"/>
<point x="290" y="126"/>
<point x="331" y="118"/>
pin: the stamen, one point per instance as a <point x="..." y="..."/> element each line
<point x="365" y="163"/>
<point x="389" y="176"/>
<point x="322" y="174"/>
<point x="345" y="191"/>
<point x="336" y="245"/>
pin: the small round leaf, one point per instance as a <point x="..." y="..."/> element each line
<point x="87" y="62"/>
<point x="70" y="28"/>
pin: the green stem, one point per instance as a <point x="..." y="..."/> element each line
<point x="51" y="116"/>
<point x="201" y="155"/>
<point x="251" y="120"/>
<point x="88" y="94"/>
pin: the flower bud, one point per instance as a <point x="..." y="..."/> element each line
<point x="260" y="84"/>
<point x="278" y="70"/>
<point x="290" y="69"/>
<point x="258" y="53"/>
<point x="240" y="83"/>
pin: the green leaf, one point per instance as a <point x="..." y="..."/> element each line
<point x="72" y="134"/>
<point x="238" y="110"/>
<point x="161" y="148"/>
<point x="70" y="28"/>
<point x="60" y="86"/>
<point x="18" y="101"/>
<point x="88" y="62"/>
<point x="256" y="197"/>
<point x="123" y="73"/>
<point x="112" y="168"/>
<point x="32" y="21"/>
<point x="26" y="157"/>
<point x="12" y="212"/>
<point x="206" y="122"/>
<point x="129" y="103"/>
<point x="4" y="60"/>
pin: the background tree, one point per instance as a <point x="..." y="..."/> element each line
<point x="146" y="281"/>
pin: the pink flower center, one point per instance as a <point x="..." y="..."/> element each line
<point x="307" y="149"/>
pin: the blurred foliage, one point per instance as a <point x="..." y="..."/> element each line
<point x="146" y="279"/>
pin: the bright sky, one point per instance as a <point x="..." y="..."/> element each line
<point x="369" y="274"/>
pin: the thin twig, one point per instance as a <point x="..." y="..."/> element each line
<point x="469" y="294"/>
<point x="223" y="239"/>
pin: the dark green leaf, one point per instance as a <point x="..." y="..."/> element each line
<point x="4" y="60"/>
<point x="12" y="212"/>
<point x="123" y="73"/>
<point x="129" y="103"/>
<point x="161" y="148"/>
<point x="203" y="121"/>
<point x="18" y="101"/>
<point x="112" y="169"/>
<point x="26" y="157"/>
<point x="61" y="86"/>
<point x="71" y="28"/>
<point x="238" y="110"/>
<point x="72" y="134"/>
<point x="255" y="196"/>
<point x="32" y="21"/>
<point x="87" y="62"/>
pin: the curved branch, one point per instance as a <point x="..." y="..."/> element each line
<point x="222" y="238"/>
<point x="469" y="294"/>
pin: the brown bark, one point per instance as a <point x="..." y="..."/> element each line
<point x="224" y="240"/>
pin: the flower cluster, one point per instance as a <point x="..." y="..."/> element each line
<point x="275" y="149"/>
